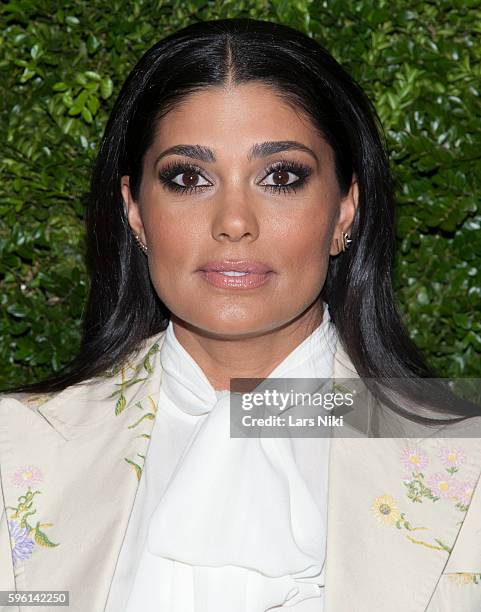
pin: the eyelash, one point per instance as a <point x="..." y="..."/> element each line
<point x="175" y="168"/>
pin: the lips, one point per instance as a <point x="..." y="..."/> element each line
<point x="253" y="267"/>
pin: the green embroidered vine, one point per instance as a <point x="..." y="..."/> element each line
<point x="144" y="366"/>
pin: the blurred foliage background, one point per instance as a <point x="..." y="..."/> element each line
<point x="61" y="65"/>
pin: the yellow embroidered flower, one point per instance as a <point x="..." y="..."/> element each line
<point x="385" y="509"/>
<point x="461" y="578"/>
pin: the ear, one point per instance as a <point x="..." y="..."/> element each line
<point x="132" y="209"/>
<point x="347" y="210"/>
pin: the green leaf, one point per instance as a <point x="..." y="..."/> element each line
<point x="87" y="115"/>
<point x="35" y="51"/>
<point x="60" y="86"/>
<point x="106" y="87"/>
<point x="137" y="468"/>
<point x="92" y="43"/>
<point x="422" y="296"/>
<point x="17" y="310"/>
<point x="93" y="104"/>
<point x="120" y="405"/>
<point x="72" y="20"/>
<point x="42" y="539"/>
<point x="91" y="74"/>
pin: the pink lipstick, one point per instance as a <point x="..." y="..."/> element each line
<point x="236" y="274"/>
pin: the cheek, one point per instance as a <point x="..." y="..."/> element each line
<point x="307" y="248"/>
<point x="171" y="235"/>
<point x="171" y="245"/>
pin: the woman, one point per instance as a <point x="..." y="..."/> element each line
<point x="240" y="225"/>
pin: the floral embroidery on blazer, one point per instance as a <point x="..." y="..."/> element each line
<point x="434" y="486"/>
<point x="23" y="535"/>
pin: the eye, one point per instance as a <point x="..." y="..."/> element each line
<point x="183" y="177"/>
<point x="285" y="176"/>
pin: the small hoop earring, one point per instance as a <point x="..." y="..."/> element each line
<point x="140" y="243"/>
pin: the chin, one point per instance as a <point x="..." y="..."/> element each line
<point x="229" y="326"/>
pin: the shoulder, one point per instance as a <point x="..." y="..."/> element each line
<point x="28" y="399"/>
<point x="141" y="359"/>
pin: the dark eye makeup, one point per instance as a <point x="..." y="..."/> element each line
<point x="176" y="168"/>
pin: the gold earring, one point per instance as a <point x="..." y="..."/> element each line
<point x="345" y="242"/>
<point x="140" y="243"/>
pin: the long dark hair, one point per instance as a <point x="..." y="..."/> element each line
<point x="123" y="309"/>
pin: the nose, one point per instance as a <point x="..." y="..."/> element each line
<point x="234" y="216"/>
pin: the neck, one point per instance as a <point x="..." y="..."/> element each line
<point x="248" y="356"/>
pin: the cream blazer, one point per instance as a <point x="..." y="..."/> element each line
<point x="404" y="514"/>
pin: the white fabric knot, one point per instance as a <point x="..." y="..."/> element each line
<point x="243" y="502"/>
<point x="241" y="525"/>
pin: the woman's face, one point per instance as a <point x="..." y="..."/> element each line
<point x="256" y="185"/>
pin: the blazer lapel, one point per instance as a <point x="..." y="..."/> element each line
<point x="70" y="469"/>
<point x="394" y="514"/>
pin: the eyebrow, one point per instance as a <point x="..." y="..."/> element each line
<point x="261" y="149"/>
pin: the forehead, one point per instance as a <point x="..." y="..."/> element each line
<point x="234" y="117"/>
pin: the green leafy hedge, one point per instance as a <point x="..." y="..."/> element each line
<point x="61" y="66"/>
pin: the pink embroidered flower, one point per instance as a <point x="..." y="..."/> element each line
<point x="452" y="457"/>
<point x="444" y="486"/>
<point x="414" y="459"/>
<point x="465" y="492"/>
<point x="27" y="475"/>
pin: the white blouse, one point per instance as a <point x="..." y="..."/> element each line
<point x="226" y="524"/>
